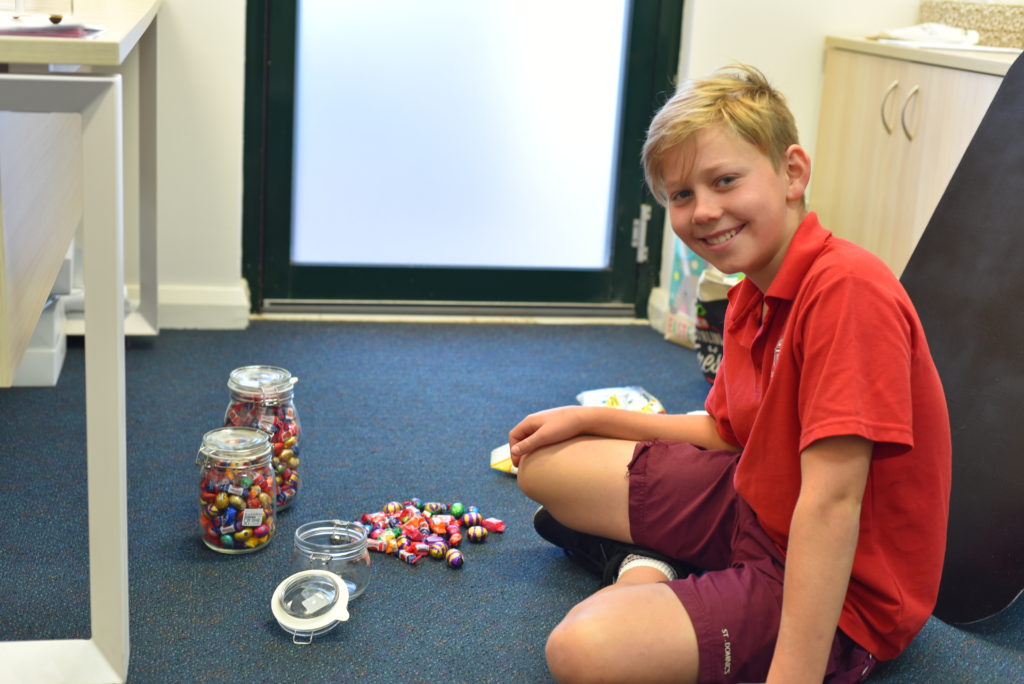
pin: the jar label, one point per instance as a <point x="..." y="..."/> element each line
<point x="315" y="602"/>
<point x="252" y="517"/>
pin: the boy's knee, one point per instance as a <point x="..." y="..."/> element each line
<point x="570" y="651"/>
<point x="529" y="479"/>
<point x="635" y="633"/>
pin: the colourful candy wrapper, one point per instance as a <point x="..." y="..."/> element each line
<point x="501" y="459"/>
<point x="629" y="398"/>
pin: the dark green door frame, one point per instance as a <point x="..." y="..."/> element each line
<point x="652" y="56"/>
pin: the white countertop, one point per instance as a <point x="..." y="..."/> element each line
<point x="996" y="63"/>
<point x="123" y="22"/>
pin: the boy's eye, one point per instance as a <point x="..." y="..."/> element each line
<point x="726" y="180"/>
<point x="681" y="195"/>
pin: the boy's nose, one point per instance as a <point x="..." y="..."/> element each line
<point x="706" y="210"/>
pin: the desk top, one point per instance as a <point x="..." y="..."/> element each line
<point x="123" y="22"/>
<point x="995" y="63"/>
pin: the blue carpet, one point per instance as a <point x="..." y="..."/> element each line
<point x="389" y="411"/>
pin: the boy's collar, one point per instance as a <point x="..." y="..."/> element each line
<point x="803" y="249"/>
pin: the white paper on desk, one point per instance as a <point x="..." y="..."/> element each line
<point x="947" y="46"/>
<point x="39" y="25"/>
<point x="932" y="32"/>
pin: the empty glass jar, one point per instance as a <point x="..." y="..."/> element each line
<point x="262" y="397"/>
<point x="336" y="546"/>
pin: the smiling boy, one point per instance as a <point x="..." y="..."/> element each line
<point x="814" y="493"/>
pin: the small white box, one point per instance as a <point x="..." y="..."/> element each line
<point x="44" y="357"/>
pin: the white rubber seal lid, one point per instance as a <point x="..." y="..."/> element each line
<point x="309" y="603"/>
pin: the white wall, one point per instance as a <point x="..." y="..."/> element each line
<point x="784" y="39"/>
<point x="200" y="96"/>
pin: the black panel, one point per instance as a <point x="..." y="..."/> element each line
<point x="966" y="281"/>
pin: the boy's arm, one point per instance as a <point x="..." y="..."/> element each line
<point x="819" y="557"/>
<point x="559" y="424"/>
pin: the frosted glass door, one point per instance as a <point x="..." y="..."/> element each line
<point x="456" y="133"/>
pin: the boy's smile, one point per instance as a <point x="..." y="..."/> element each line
<point x="731" y="206"/>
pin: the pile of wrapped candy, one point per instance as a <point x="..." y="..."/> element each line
<point x="413" y="529"/>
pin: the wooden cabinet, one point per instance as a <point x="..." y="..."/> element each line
<point x="894" y="123"/>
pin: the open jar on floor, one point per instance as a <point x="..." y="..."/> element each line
<point x="336" y="546"/>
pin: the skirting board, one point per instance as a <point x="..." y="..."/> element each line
<point x="204" y="307"/>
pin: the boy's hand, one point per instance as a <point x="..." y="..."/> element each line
<point x="545" y="428"/>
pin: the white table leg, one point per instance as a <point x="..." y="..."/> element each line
<point x="104" y="657"/>
<point x="139" y="82"/>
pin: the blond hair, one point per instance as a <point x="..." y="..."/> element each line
<point x="737" y="96"/>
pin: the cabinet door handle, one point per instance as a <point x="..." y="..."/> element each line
<point x="885" y="100"/>
<point x="903" y="113"/>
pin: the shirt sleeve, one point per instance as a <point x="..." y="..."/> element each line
<point x="717" y="405"/>
<point x="854" y="344"/>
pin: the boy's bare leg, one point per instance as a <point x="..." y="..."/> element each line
<point x="625" y="633"/>
<point x="583" y="482"/>
<point x="635" y="630"/>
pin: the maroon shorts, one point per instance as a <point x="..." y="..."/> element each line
<point x="682" y="503"/>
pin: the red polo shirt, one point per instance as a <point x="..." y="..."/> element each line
<point x="841" y="352"/>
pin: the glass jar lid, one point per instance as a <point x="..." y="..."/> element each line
<point x="309" y="603"/>
<point x="234" y="444"/>
<point x="261" y="382"/>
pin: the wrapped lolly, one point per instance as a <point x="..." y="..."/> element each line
<point x="453" y="558"/>
<point x="237" y="490"/>
<point x="262" y="397"/>
<point x="493" y="525"/>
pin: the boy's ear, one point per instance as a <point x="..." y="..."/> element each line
<point x="798" y="171"/>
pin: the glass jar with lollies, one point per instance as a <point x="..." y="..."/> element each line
<point x="237" y="490"/>
<point x="263" y="397"/>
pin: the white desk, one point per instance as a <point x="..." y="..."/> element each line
<point x="32" y="259"/>
<point x="128" y="45"/>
